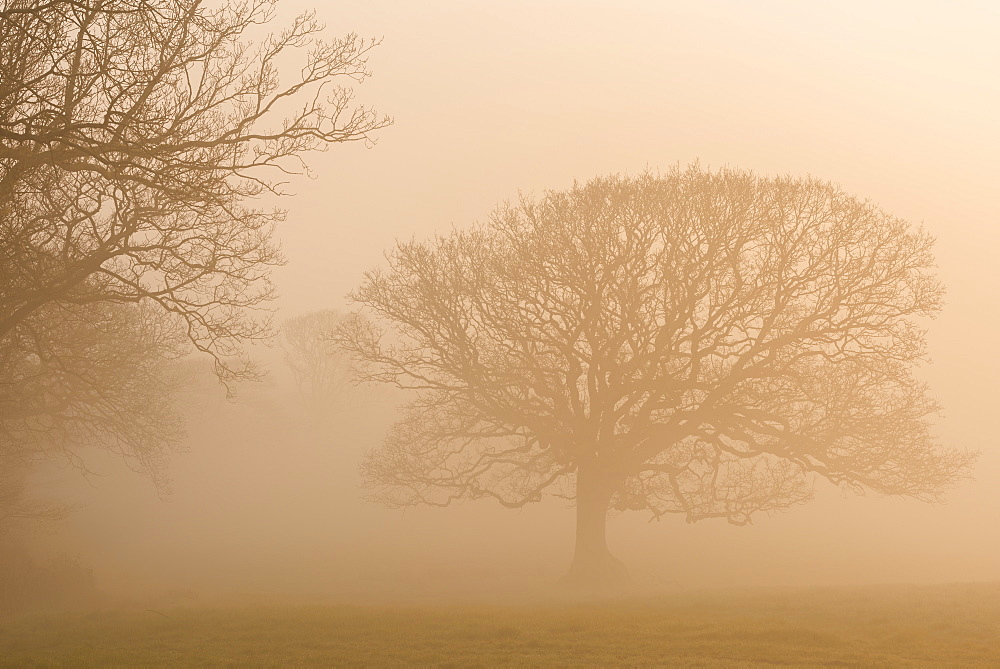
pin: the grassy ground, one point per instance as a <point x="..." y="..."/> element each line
<point x="940" y="625"/>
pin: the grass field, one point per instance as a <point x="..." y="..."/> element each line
<point x="898" y="625"/>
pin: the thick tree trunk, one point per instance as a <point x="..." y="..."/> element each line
<point x="593" y="567"/>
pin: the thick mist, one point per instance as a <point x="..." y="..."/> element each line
<point x="894" y="101"/>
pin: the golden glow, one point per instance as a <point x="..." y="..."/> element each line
<point x="893" y="101"/>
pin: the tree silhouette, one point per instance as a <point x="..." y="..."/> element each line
<point x="139" y="140"/>
<point x="321" y="370"/>
<point x="702" y="343"/>
<point x="98" y="374"/>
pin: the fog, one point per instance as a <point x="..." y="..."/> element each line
<point x="893" y="101"/>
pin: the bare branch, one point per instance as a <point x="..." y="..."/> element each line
<point x="708" y="342"/>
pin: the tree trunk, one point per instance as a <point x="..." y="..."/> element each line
<point x="593" y="567"/>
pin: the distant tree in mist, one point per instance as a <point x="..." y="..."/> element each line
<point x="698" y="343"/>
<point x="17" y="504"/>
<point x="97" y="374"/>
<point x="320" y="367"/>
<point x="138" y="140"/>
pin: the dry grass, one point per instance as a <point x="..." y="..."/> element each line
<point x="939" y="625"/>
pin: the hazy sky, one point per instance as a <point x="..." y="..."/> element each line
<point x="895" y="101"/>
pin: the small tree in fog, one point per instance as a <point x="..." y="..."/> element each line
<point x="16" y="503"/>
<point x="699" y="343"/>
<point x="100" y="374"/>
<point x="320" y="367"/>
<point x="137" y="140"/>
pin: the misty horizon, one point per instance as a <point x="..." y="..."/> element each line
<point x="469" y="113"/>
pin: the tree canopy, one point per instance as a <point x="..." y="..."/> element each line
<point x="140" y="142"/>
<point x="320" y="369"/>
<point x="695" y="342"/>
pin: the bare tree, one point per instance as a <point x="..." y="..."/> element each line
<point x="133" y="137"/>
<point x="700" y="342"/>
<point x="138" y="140"/>
<point x="17" y="504"/>
<point x="320" y="368"/>
<point x="91" y="375"/>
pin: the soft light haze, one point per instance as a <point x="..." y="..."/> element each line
<point x="894" y="101"/>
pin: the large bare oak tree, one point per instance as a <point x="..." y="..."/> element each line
<point x="139" y="143"/>
<point x="698" y="342"/>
